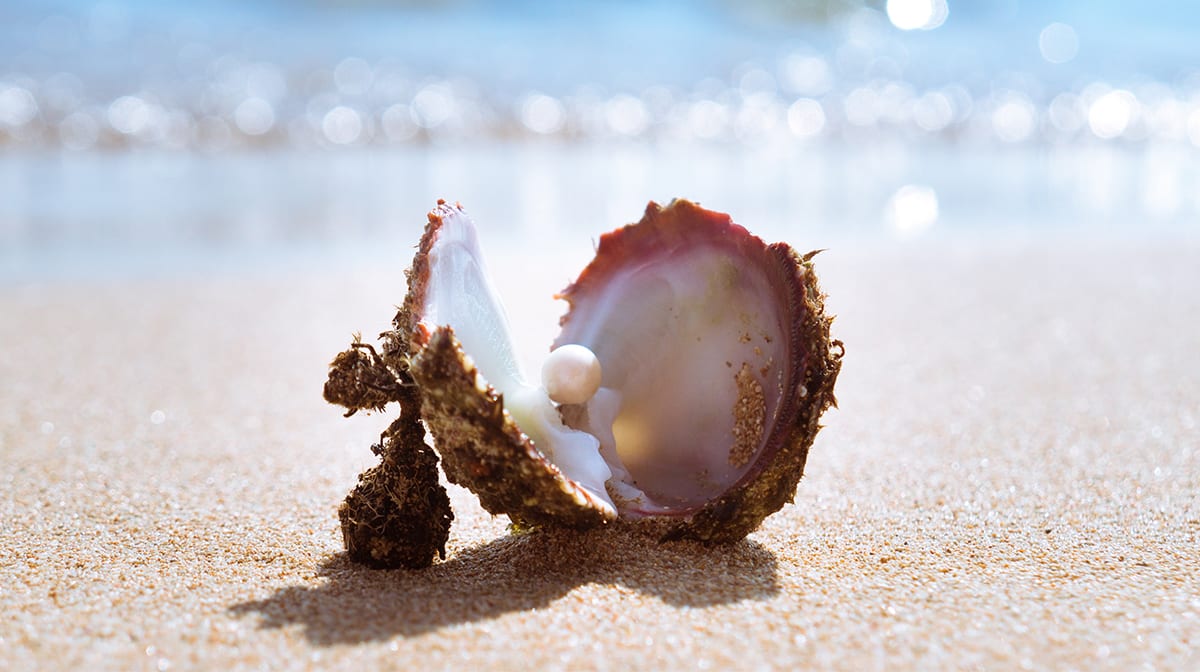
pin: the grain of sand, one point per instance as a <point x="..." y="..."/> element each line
<point x="1010" y="482"/>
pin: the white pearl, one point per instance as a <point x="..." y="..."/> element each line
<point x="571" y="374"/>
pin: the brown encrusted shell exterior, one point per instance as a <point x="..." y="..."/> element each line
<point x="815" y="362"/>
<point x="481" y="447"/>
<point x="484" y="450"/>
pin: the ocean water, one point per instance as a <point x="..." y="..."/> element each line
<point x="137" y="134"/>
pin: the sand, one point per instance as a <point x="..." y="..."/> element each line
<point x="1010" y="482"/>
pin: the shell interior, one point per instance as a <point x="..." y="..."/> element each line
<point x="692" y="348"/>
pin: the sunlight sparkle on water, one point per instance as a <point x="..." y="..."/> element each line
<point x="917" y="14"/>
<point x="627" y="115"/>
<point x="254" y="116"/>
<point x="912" y="209"/>
<point x="933" y="111"/>
<point x="1058" y="43"/>
<point x="1015" y="119"/>
<point x="1110" y="115"/>
<point x="17" y="106"/>
<point x="342" y="125"/>
<point x="433" y="106"/>
<point x="208" y="95"/>
<point x="542" y="114"/>
<point x="806" y="118"/>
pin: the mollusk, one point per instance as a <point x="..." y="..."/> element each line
<point x="700" y="367"/>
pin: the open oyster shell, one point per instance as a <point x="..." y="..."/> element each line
<point x="717" y="364"/>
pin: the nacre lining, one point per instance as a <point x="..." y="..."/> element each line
<point x="675" y="335"/>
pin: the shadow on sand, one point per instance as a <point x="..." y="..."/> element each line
<point x="514" y="573"/>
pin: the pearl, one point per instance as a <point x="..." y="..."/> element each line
<point x="571" y="374"/>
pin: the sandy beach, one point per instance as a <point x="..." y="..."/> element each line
<point x="1010" y="481"/>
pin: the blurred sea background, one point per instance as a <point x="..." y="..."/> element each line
<point x="141" y="136"/>
<point x="201" y="203"/>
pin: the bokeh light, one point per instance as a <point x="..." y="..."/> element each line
<point x="254" y="116"/>
<point x="806" y="117"/>
<point x="887" y="88"/>
<point x="1015" y="119"/>
<point x="1112" y="113"/>
<point x="860" y="81"/>
<point x="17" y="106"/>
<point x="626" y="115"/>
<point x="933" y="111"/>
<point x="342" y="125"/>
<point x="912" y="209"/>
<point x="542" y="114"/>
<point x="1058" y="43"/>
<point x="917" y="14"/>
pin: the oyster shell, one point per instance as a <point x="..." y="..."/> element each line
<point x="716" y="366"/>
